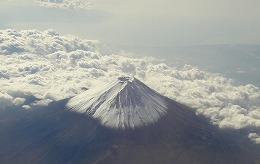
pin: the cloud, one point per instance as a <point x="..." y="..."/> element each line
<point x="51" y="67"/>
<point x="19" y="101"/>
<point x="254" y="137"/>
<point x="26" y="107"/>
<point x="37" y="42"/>
<point x="66" y="4"/>
<point x="5" y="100"/>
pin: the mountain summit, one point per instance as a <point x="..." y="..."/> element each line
<point x="124" y="103"/>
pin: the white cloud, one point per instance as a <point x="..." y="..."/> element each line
<point x="66" y="4"/>
<point x="51" y="67"/>
<point x="19" y="101"/>
<point x="43" y="43"/>
<point x="254" y="137"/>
<point x="26" y="107"/>
<point x="44" y="102"/>
<point x="5" y="100"/>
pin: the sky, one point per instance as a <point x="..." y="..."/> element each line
<point x="50" y="50"/>
<point x="143" y="22"/>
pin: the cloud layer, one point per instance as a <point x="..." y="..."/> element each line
<point x="50" y="67"/>
<point x="66" y="4"/>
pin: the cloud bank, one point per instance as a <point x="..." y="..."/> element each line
<point x="66" y="4"/>
<point x="50" y="67"/>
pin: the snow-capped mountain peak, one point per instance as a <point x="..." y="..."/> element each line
<point x="124" y="103"/>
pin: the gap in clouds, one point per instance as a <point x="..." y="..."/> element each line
<point x="51" y="67"/>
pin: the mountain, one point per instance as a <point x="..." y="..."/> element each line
<point x="125" y="103"/>
<point x="124" y="122"/>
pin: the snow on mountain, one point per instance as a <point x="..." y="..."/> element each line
<point x="124" y="103"/>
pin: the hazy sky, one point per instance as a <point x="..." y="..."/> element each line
<point x="144" y="22"/>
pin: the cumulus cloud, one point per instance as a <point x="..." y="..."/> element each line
<point x="19" y="101"/>
<point x="51" y="67"/>
<point x="254" y="137"/>
<point x="40" y="43"/>
<point x="5" y="100"/>
<point x="66" y="4"/>
<point x="26" y="107"/>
